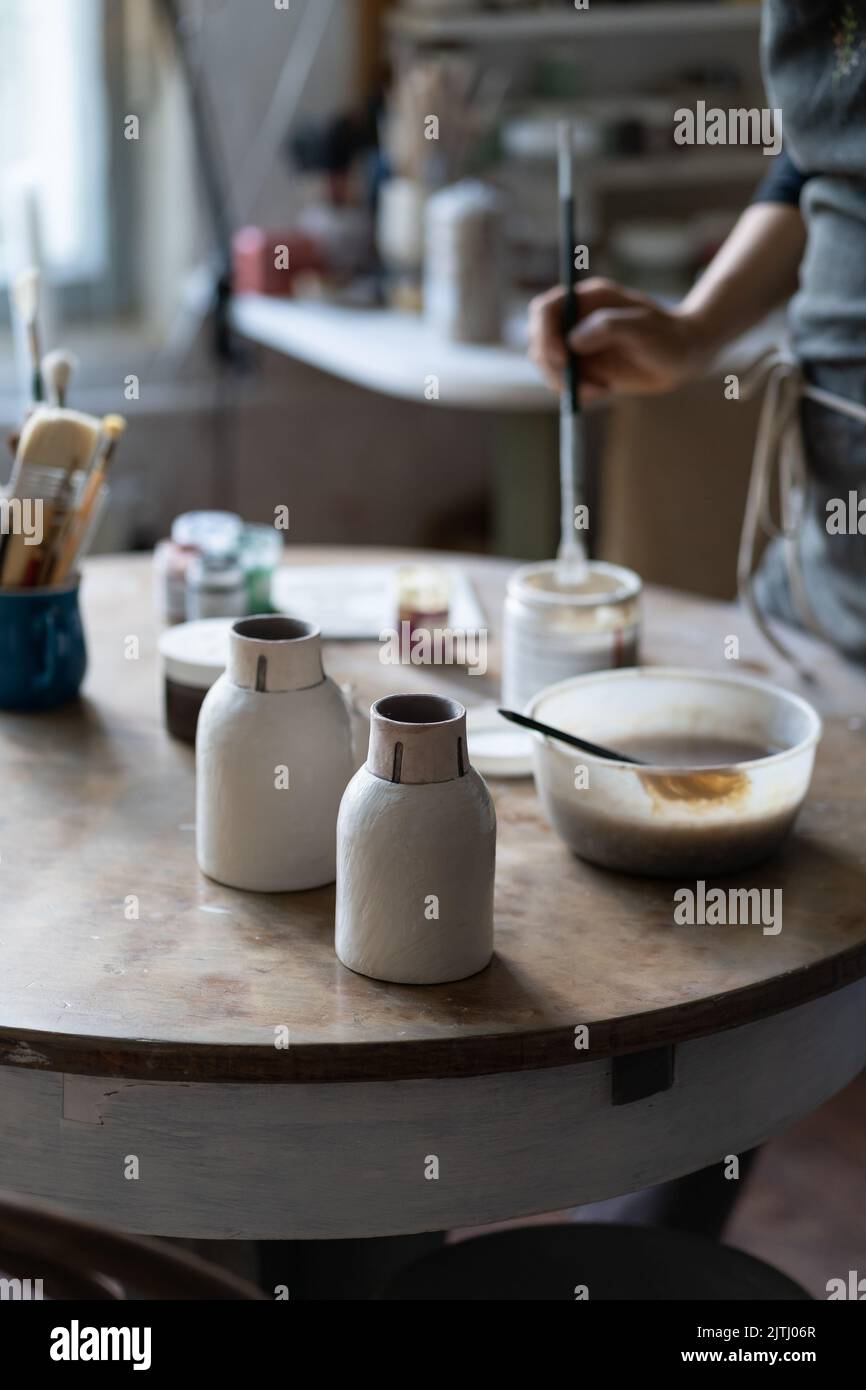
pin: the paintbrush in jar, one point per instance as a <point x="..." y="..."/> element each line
<point x="57" y="369"/>
<point x="25" y="296"/>
<point x="571" y="555"/>
<point x="54" y="444"/>
<point x="71" y="544"/>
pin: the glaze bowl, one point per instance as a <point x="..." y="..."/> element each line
<point x="665" y="820"/>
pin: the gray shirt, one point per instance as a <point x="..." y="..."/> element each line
<point x="814" y="54"/>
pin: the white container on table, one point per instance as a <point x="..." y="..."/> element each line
<point x="416" y="849"/>
<point x="550" y="634"/>
<point x="273" y="756"/>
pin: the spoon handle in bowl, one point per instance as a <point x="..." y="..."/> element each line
<point x="582" y="743"/>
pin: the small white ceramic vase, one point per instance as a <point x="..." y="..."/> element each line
<point x="416" y="849"/>
<point x="273" y="756"/>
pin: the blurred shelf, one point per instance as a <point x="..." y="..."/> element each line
<point x="599" y="21"/>
<point x="394" y="353"/>
<point x="673" y="170"/>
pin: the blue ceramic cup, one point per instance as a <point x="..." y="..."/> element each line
<point x="42" y="653"/>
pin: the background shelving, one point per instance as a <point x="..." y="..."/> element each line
<point x="599" y="21"/>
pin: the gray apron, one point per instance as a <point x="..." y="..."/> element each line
<point x="814" y="440"/>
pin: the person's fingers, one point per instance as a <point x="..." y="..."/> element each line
<point x="546" y="346"/>
<point x="598" y="293"/>
<point x="605" y="328"/>
<point x="553" y="373"/>
<point x="552" y="378"/>
<point x="609" y="318"/>
<point x="593" y="391"/>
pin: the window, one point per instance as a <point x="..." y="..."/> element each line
<point x="53" y="155"/>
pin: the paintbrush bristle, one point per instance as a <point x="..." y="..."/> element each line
<point x="57" y="369"/>
<point x="113" y="426"/>
<point x="25" y="294"/>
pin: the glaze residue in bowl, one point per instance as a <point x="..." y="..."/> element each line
<point x="666" y="819"/>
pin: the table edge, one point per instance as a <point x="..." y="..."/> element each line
<point x="426" y="1059"/>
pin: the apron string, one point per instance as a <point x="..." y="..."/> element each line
<point x="779" y="449"/>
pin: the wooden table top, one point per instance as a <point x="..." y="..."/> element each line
<point x="98" y="805"/>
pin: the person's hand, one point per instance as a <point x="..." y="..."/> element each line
<point x="625" y="341"/>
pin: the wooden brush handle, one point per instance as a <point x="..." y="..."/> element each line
<point x="71" y="539"/>
<point x="19" y="559"/>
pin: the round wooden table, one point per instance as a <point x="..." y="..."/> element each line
<point x="141" y="1005"/>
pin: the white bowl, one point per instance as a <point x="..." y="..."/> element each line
<point x="668" y="820"/>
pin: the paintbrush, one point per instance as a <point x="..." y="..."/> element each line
<point x="71" y="543"/>
<point x="53" y="445"/>
<point x="571" y="556"/>
<point x="57" y="369"/>
<point x="61" y="513"/>
<point x="571" y="739"/>
<point x="25" y="295"/>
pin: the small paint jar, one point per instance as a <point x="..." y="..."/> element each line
<point x="192" y="534"/>
<point x="194" y="656"/>
<point x="216" y="588"/>
<point x="260" y="552"/>
<point x="551" y="633"/>
<point x="422" y="599"/>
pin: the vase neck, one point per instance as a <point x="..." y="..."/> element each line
<point x="417" y="739"/>
<point x="271" y="654"/>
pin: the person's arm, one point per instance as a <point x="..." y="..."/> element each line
<point x="629" y="343"/>
<point x="753" y="272"/>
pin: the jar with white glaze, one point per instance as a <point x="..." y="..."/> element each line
<point x="416" y="849"/>
<point x="273" y="756"/>
<point x="551" y="633"/>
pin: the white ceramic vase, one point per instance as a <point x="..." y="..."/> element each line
<point x="416" y="849"/>
<point x="273" y="756"/>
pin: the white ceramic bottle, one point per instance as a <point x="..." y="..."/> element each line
<point x="273" y="756"/>
<point x="416" y="849"/>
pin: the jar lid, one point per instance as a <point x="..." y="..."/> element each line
<point x="210" y="531"/>
<point x="605" y="585"/>
<point x="196" y="654"/>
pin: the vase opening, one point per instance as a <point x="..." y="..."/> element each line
<point x="271" y="654"/>
<point x="274" y="628"/>
<point x="417" y="738"/>
<point x="419" y="709"/>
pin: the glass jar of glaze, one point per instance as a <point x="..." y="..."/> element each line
<point x="551" y="633"/>
<point x="216" y="588"/>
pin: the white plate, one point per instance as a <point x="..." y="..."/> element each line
<point x="496" y="747"/>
